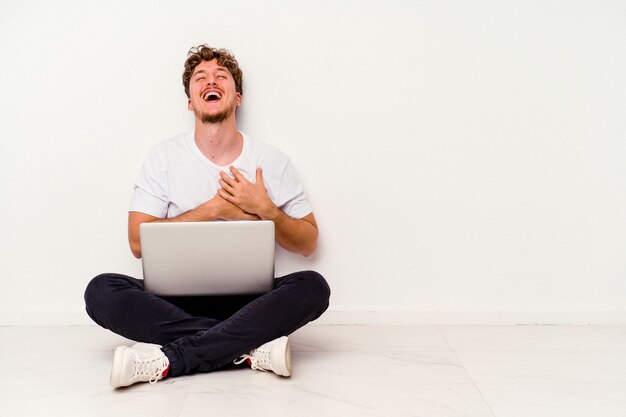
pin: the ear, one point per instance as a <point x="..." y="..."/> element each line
<point x="239" y="99"/>
<point x="189" y="107"/>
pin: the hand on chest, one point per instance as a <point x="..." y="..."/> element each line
<point x="191" y="185"/>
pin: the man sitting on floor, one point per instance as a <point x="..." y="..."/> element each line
<point x="215" y="172"/>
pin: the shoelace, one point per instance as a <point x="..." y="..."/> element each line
<point x="148" y="366"/>
<point x="259" y="360"/>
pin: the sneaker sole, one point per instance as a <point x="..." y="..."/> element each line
<point x="116" y="369"/>
<point x="281" y="358"/>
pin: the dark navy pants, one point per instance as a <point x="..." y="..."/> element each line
<point x="202" y="334"/>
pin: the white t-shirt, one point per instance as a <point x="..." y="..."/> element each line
<point x="176" y="177"/>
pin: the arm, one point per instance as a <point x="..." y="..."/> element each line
<point x="294" y="235"/>
<point x="215" y="209"/>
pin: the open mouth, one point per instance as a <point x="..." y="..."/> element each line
<point x="212" y="95"/>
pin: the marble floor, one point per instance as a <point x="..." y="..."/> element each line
<point x="386" y="371"/>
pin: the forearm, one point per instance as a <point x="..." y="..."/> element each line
<point x="203" y="213"/>
<point x="135" y="219"/>
<point x="295" y="235"/>
<point x="214" y="209"/>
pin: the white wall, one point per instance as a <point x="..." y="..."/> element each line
<point x="465" y="159"/>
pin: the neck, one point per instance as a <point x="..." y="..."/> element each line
<point x="220" y="142"/>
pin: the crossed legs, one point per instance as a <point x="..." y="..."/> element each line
<point x="203" y="334"/>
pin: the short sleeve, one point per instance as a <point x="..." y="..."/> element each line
<point x="150" y="191"/>
<point x="292" y="194"/>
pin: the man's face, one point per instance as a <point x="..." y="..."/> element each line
<point x="212" y="93"/>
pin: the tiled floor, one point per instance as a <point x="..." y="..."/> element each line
<point x="386" y="371"/>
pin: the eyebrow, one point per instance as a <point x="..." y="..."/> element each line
<point x="204" y="71"/>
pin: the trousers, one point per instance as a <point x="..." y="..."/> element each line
<point x="205" y="333"/>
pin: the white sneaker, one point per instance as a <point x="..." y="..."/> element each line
<point x="273" y="356"/>
<point x="142" y="362"/>
<point x="145" y="346"/>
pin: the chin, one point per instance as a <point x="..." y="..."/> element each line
<point x="212" y="118"/>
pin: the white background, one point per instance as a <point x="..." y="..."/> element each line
<point x="465" y="159"/>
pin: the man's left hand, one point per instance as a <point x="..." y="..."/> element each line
<point x="251" y="198"/>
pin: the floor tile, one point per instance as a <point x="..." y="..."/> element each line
<point x="414" y="368"/>
<point x="69" y="398"/>
<point x="545" y="366"/>
<point x="488" y="338"/>
<point x="556" y="400"/>
<point x="344" y="384"/>
<point x="328" y="395"/>
<point x="369" y="338"/>
<point x="500" y="371"/>
<point x="64" y="371"/>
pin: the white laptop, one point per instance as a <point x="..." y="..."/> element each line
<point x="208" y="258"/>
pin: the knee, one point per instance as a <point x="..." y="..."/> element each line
<point x="96" y="287"/>
<point x="94" y="293"/>
<point x="317" y="293"/>
<point x="315" y="286"/>
<point x="321" y="286"/>
<point x="98" y="293"/>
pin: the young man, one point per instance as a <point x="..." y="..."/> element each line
<point x="215" y="172"/>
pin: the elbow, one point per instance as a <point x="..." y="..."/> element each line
<point x="310" y="249"/>
<point x="135" y="248"/>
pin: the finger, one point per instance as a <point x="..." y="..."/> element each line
<point x="227" y="179"/>
<point x="237" y="174"/>
<point x="225" y="195"/>
<point x="259" y="176"/>
<point x="227" y="187"/>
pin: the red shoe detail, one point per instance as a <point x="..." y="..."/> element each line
<point x="164" y="374"/>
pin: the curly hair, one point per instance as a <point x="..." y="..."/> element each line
<point x="224" y="57"/>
